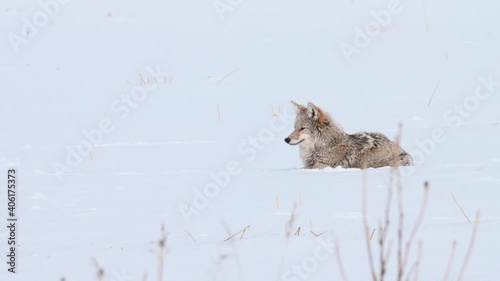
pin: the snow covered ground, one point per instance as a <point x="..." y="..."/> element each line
<point x="123" y="116"/>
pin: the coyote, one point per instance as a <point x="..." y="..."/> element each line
<point x="324" y="144"/>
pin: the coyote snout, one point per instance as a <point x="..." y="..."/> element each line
<point x="296" y="137"/>
<point x="323" y="143"/>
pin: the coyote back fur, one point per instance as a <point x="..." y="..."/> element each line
<point x="324" y="144"/>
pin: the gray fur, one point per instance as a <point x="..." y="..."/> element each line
<point x="323" y="143"/>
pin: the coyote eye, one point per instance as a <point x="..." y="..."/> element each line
<point x="301" y="129"/>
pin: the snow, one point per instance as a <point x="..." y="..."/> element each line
<point x="204" y="121"/>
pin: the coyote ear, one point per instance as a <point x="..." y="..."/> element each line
<point x="298" y="107"/>
<point x="313" y="111"/>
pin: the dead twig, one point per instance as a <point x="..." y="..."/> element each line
<point x="434" y="92"/>
<point x="227" y="75"/>
<point x="317" y="234"/>
<point x="458" y="204"/>
<point x="244" y="229"/>
<point x="190" y="235"/>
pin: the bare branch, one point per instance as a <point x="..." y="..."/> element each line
<point x="367" y="229"/>
<point x="469" y="249"/>
<point x="417" y="224"/>
<point x="339" y="262"/>
<point x="450" y="261"/>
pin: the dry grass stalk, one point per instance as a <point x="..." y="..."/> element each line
<point x="300" y="199"/>
<point x="162" y="245"/>
<point x="297" y="233"/>
<point x="277" y="202"/>
<point x="458" y="204"/>
<point x="100" y="270"/>
<point x="312" y="230"/>
<point x="434" y="92"/>
<point x="230" y="237"/>
<point x="469" y="249"/>
<point x="243" y="233"/>
<point x="288" y="231"/>
<point x="91" y="156"/>
<point x="450" y="261"/>
<point x="218" y="112"/>
<point x="227" y="75"/>
<point x="317" y="234"/>
<point x="275" y="113"/>
<point x="187" y="232"/>
<point x="236" y="255"/>
<point x="291" y="222"/>
<point x="373" y="232"/>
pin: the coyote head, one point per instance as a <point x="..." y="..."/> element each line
<point x="309" y="122"/>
